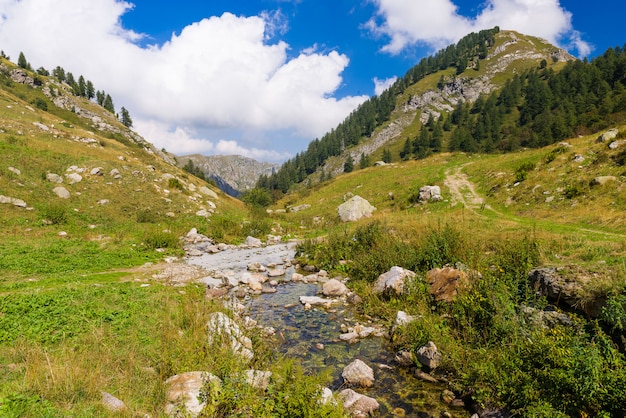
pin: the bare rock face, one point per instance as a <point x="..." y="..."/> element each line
<point x="393" y="281"/>
<point x="233" y="174"/>
<point x="183" y="391"/>
<point x="359" y="374"/>
<point x="446" y="282"/>
<point x="354" y="209"/>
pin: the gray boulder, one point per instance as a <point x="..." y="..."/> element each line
<point x="13" y="201"/>
<point x="61" y="192"/>
<point x="111" y="403"/>
<point x="430" y="194"/>
<point x="393" y="281"/>
<point x="609" y="135"/>
<point x="359" y="374"/>
<point x="334" y="287"/>
<point x="356" y="404"/>
<point x="429" y="356"/>
<point x="74" y="178"/>
<point x="54" y="178"/>
<point x="354" y="209"/>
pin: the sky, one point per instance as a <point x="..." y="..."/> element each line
<point x="263" y="78"/>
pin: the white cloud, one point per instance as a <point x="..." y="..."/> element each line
<point x="437" y="22"/>
<point x="382" y="85"/>
<point x="218" y="73"/>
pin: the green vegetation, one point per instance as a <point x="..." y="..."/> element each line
<point x="492" y="347"/>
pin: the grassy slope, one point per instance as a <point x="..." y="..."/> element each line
<point x="75" y="319"/>
<point x="588" y="228"/>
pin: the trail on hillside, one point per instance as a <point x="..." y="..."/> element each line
<point x="463" y="191"/>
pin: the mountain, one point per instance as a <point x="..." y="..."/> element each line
<point x="477" y="67"/>
<point x="233" y="174"/>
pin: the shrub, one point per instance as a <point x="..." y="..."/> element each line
<point x="571" y="191"/>
<point x="160" y="239"/>
<point x="146" y="216"/>
<point x="174" y="183"/>
<point x="54" y="213"/>
<point x="522" y="171"/>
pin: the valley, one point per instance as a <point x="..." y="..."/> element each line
<point x="482" y="274"/>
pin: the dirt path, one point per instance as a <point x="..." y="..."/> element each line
<point x="462" y="190"/>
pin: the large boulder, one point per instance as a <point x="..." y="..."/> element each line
<point x="358" y="373"/>
<point x="446" y="282"/>
<point x="334" y="287"/>
<point x="566" y="286"/>
<point x="354" y="209"/>
<point x="183" y="392"/>
<point x="430" y="194"/>
<point x="393" y="281"/>
<point x="609" y="135"/>
<point x="358" y="405"/>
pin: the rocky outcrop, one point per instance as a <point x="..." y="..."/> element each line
<point x="13" y="201"/>
<point x="354" y="209"/>
<point x="566" y="286"/>
<point x="220" y="325"/>
<point x="430" y="194"/>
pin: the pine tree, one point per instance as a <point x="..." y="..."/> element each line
<point x="348" y="166"/>
<point x="90" y="90"/>
<point x="22" y="62"/>
<point x="365" y="161"/>
<point x="108" y="104"/>
<point x="126" y="120"/>
<point x="59" y="74"/>
<point x="386" y="156"/>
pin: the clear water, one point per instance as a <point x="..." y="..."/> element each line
<point x="302" y="331"/>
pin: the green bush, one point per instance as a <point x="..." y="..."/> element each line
<point x="146" y="216"/>
<point x="160" y="239"/>
<point x="54" y="213"/>
<point x="174" y="183"/>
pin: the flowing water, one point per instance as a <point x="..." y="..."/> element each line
<point x="312" y="337"/>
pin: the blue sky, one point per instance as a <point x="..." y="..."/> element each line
<point x="263" y="78"/>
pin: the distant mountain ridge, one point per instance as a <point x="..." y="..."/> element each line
<point x="233" y="174"/>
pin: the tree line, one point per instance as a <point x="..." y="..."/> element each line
<point x="362" y="122"/>
<point x="81" y="87"/>
<point x="541" y="106"/>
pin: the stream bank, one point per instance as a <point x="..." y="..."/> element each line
<point x="311" y="335"/>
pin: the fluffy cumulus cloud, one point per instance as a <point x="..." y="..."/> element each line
<point x="218" y="75"/>
<point x="382" y="85"/>
<point x="438" y="22"/>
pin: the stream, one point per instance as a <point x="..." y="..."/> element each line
<point x="312" y="336"/>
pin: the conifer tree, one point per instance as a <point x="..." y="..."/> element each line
<point x="126" y="120"/>
<point x="348" y="166"/>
